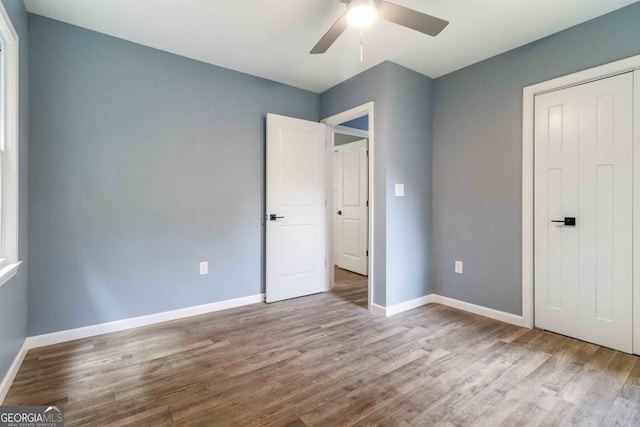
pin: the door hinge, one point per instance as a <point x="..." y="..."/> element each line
<point x="367" y="253"/>
<point x="367" y="203"/>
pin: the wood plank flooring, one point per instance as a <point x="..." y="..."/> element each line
<point x="351" y="287"/>
<point x="325" y="361"/>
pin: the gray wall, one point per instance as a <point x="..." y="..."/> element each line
<point x="402" y="226"/>
<point x="142" y="164"/>
<point x="477" y="155"/>
<point x="13" y="294"/>
<point x="409" y="161"/>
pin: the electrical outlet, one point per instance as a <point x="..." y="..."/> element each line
<point x="458" y="267"/>
<point x="204" y="268"/>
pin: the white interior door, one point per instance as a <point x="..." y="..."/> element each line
<point x="351" y="211"/>
<point x="583" y="170"/>
<point x="296" y="213"/>
<point x="337" y="178"/>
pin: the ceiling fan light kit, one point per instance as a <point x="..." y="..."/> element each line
<point x="361" y="13"/>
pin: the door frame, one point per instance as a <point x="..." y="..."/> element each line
<point x="332" y="122"/>
<point x="528" y="110"/>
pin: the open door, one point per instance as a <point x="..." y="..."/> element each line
<point x="351" y="193"/>
<point x="296" y="212"/>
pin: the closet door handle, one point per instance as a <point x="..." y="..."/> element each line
<point x="568" y="221"/>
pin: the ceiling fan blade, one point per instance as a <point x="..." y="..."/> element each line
<point x="410" y="18"/>
<point x="331" y="36"/>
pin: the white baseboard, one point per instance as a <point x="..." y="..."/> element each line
<point x="408" y="305"/>
<point x="118" y="325"/>
<point x="453" y="303"/>
<point x="136" y="322"/>
<point x="481" y="310"/>
<point x="13" y="370"/>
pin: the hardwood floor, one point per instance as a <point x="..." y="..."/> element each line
<point x="322" y="360"/>
<point x="351" y="287"/>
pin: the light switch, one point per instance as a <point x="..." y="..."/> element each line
<point x="204" y="268"/>
<point x="458" y="267"/>
<point x="399" y="190"/>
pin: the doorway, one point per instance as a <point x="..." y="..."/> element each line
<point x="350" y="215"/>
<point x="299" y="209"/>
<point x="350" y="126"/>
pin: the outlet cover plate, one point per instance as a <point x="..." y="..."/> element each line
<point x="458" y="267"/>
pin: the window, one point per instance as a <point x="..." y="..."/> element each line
<point x="9" y="79"/>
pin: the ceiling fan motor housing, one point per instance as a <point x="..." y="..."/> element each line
<point x="362" y="13"/>
<point x="354" y="3"/>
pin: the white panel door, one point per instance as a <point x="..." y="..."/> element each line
<point x="583" y="170"/>
<point x="556" y="196"/>
<point x="337" y="179"/>
<point x="352" y="212"/>
<point x="296" y="213"/>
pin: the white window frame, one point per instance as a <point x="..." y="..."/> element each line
<point x="9" y="81"/>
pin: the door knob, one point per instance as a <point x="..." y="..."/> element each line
<point x="274" y="217"/>
<point x="568" y="221"/>
<point x="339" y="212"/>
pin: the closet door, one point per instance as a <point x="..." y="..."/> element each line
<point x="583" y="212"/>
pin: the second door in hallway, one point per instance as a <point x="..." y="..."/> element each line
<point x="351" y="205"/>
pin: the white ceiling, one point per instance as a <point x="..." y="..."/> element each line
<point x="272" y="38"/>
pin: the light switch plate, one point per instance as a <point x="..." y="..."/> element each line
<point x="399" y="190"/>
<point x="458" y="267"/>
<point x="204" y="268"/>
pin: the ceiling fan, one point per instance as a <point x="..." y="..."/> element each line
<point x="361" y="13"/>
